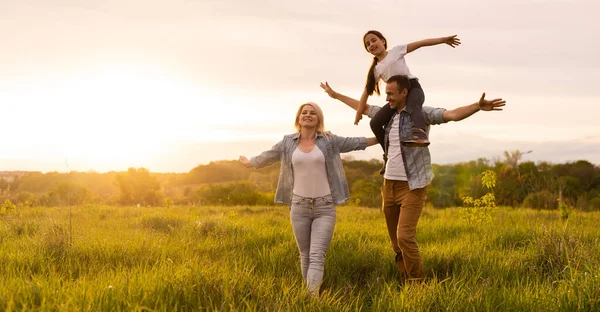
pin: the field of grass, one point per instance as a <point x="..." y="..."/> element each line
<point x="245" y="258"/>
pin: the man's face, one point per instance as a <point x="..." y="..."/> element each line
<point x="395" y="97"/>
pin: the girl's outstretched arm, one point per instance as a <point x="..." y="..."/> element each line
<point x="452" y="41"/>
<point x="362" y="105"/>
<point x="352" y="103"/>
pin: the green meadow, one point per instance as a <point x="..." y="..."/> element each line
<point x="185" y="258"/>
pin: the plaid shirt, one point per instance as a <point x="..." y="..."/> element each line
<point x="331" y="145"/>
<point x="417" y="160"/>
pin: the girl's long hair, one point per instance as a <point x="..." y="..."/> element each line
<point x="373" y="85"/>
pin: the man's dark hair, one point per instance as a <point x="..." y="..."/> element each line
<point x="402" y="81"/>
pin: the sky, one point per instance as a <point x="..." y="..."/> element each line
<point x="169" y="85"/>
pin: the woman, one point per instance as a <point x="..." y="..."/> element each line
<point x="312" y="182"/>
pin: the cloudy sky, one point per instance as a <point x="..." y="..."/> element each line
<point x="167" y="85"/>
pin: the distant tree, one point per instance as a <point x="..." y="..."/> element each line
<point x="218" y="172"/>
<point x="26" y="199"/>
<point x="265" y="180"/>
<point x="595" y="203"/>
<point x="235" y="193"/>
<point x="543" y="199"/>
<point x="3" y="184"/>
<point x="50" y="199"/>
<point x="356" y="170"/>
<point x="5" y="193"/>
<point x="137" y="186"/>
<point x="443" y="189"/>
<point x="512" y="159"/>
<point x="71" y="193"/>
<point x="508" y="187"/>
<point x="367" y="193"/>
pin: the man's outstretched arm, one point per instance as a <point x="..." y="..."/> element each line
<point x="463" y="112"/>
<point x="456" y="114"/>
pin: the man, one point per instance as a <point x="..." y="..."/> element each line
<point x="408" y="170"/>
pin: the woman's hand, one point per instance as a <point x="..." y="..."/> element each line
<point x="244" y="161"/>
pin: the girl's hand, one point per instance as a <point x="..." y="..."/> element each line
<point x="452" y="41"/>
<point x="244" y="161"/>
<point x="329" y="90"/>
<point x="357" y="118"/>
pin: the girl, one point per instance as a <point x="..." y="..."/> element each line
<point x="389" y="63"/>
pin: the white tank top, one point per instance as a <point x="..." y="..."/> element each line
<point x="394" y="169"/>
<point x="310" y="173"/>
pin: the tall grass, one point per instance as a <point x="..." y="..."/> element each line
<point x="240" y="258"/>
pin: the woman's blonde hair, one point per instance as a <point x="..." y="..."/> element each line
<point x="320" y="122"/>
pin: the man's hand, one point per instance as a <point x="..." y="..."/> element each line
<point x="491" y="105"/>
<point x="451" y="41"/>
<point x="329" y="90"/>
<point x="463" y="112"/>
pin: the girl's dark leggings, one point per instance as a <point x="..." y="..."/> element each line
<point x="414" y="106"/>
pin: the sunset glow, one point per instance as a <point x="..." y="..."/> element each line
<point x="108" y="84"/>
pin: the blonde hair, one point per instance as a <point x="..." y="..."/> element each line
<point x="320" y="122"/>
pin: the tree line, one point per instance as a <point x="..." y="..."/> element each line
<point x="519" y="183"/>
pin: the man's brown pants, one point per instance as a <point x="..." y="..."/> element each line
<point x="402" y="209"/>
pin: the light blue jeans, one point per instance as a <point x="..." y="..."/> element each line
<point x="313" y="221"/>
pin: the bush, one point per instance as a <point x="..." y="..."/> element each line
<point x="480" y="210"/>
<point x="26" y="199"/>
<point x="366" y="193"/>
<point x="237" y="193"/>
<point x="595" y="203"/>
<point x="65" y="193"/>
<point x="7" y="207"/>
<point x="541" y="200"/>
<point x="440" y="197"/>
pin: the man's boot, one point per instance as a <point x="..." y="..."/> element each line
<point x="400" y="266"/>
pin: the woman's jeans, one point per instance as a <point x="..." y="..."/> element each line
<point x="313" y="220"/>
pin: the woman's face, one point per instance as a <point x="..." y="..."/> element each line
<point x="374" y="44"/>
<point x="308" y="117"/>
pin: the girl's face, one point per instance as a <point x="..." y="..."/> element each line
<point x="374" y="44"/>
